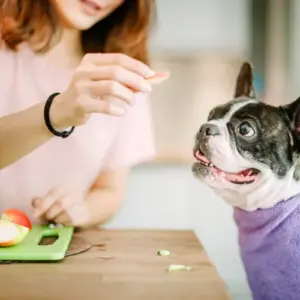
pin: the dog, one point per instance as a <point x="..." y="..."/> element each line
<point x="248" y="152"/>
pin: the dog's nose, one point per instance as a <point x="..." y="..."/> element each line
<point x="209" y="129"/>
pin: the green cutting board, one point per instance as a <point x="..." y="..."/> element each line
<point x="30" y="250"/>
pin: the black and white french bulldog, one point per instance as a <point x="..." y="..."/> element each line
<point x="249" y="153"/>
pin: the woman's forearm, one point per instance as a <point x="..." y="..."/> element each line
<point x="21" y="133"/>
<point x="101" y="204"/>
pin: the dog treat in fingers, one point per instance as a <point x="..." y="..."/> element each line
<point x="158" y="78"/>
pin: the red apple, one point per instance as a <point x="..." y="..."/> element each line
<point x="159" y="77"/>
<point x="17" y="217"/>
<point x="11" y="234"/>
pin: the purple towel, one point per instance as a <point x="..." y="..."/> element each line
<point x="270" y="249"/>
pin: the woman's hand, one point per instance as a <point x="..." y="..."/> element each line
<point x="60" y="207"/>
<point x="99" y="80"/>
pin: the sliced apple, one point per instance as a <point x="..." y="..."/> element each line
<point x="11" y="234"/>
<point x="158" y="78"/>
<point x="17" y="217"/>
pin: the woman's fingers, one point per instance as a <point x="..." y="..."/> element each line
<point x="101" y="96"/>
<point x="36" y="202"/>
<point x="97" y="82"/>
<point x="110" y="88"/>
<point x="75" y="215"/>
<point x="116" y="59"/>
<point x="116" y="74"/>
<point x="57" y="211"/>
<point x="52" y="197"/>
<point x="104" y="107"/>
<point x="60" y="207"/>
<point x="63" y="218"/>
<point x="53" y="211"/>
<point x="48" y="201"/>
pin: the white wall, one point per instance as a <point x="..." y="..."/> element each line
<point x="194" y="25"/>
<point x="158" y="197"/>
<point x="169" y="197"/>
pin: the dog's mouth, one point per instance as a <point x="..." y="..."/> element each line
<point x="246" y="176"/>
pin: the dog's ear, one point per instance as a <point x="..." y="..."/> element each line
<point x="244" y="83"/>
<point x="292" y="111"/>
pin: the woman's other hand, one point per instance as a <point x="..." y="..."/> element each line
<point x="60" y="207"/>
<point x="98" y="82"/>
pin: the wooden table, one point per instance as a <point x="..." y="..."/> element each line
<point x="129" y="269"/>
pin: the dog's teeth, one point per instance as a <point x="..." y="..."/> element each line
<point x="210" y="164"/>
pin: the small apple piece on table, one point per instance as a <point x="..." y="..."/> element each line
<point x="14" y="226"/>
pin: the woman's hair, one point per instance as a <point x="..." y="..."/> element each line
<point x="125" y="30"/>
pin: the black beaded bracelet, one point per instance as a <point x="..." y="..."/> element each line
<point x="62" y="134"/>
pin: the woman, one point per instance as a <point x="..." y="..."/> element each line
<point x="79" y="180"/>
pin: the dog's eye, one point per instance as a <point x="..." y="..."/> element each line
<point x="246" y="130"/>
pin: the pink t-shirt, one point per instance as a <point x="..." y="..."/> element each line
<point x="104" y="143"/>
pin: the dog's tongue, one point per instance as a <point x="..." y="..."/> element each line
<point x="243" y="176"/>
<point x="237" y="178"/>
<point x="245" y="172"/>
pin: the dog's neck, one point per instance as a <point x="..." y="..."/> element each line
<point x="269" y="248"/>
<point x="265" y="195"/>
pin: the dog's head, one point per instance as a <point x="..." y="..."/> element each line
<point x="248" y="151"/>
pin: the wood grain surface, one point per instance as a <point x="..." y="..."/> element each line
<point x="121" y="265"/>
